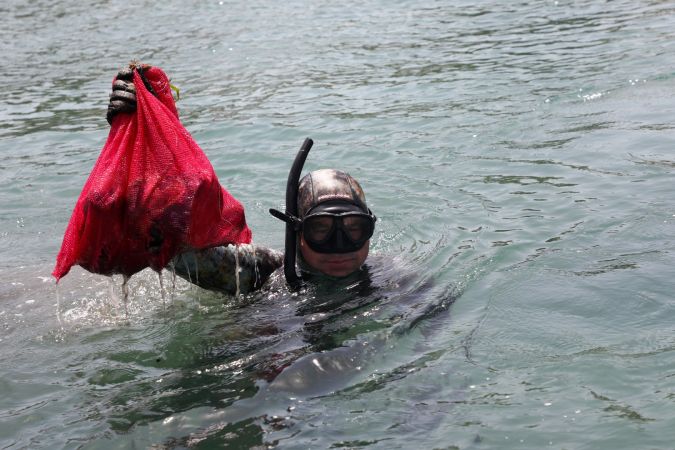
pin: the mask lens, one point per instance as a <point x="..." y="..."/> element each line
<point x="356" y="227"/>
<point x="334" y="233"/>
<point x="318" y="228"/>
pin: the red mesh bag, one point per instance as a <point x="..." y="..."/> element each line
<point x="151" y="194"/>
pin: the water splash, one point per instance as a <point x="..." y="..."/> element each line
<point x="187" y="269"/>
<point x="173" y="281"/>
<point x="125" y="295"/>
<point x="58" y="305"/>
<point x="161" y="290"/>
<point x="196" y="272"/>
<point x="114" y="299"/>
<point x="258" y="281"/>
<point x="188" y="272"/>
<point x="236" y="268"/>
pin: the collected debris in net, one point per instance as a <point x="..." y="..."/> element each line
<point x="151" y="195"/>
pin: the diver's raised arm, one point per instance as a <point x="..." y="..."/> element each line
<point x="232" y="269"/>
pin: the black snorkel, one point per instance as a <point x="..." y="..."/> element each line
<point x="291" y="214"/>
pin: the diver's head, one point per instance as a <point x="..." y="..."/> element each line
<point x="336" y="225"/>
<point x="327" y="211"/>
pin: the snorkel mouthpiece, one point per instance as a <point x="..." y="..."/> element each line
<point x="291" y="214"/>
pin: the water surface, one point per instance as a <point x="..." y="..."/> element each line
<point x="519" y="157"/>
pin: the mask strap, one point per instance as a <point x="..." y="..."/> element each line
<point x="288" y="218"/>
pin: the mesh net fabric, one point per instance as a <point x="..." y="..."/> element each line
<point x="151" y="194"/>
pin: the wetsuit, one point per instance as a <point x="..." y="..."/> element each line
<point x="229" y="269"/>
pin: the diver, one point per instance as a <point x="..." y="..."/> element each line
<point x="328" y="227"/>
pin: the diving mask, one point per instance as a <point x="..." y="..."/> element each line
<point x="337" y="227"/>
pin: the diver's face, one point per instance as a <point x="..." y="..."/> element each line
<point x="334" y="264"/>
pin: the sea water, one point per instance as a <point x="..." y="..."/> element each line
<point x="519" y="158"/>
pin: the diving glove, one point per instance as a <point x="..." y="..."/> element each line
<point x="123" y="96"/>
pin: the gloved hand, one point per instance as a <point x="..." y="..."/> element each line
<point x="123" y="97"/>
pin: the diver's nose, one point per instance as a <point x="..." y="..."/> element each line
<point x="339" y="240"/>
